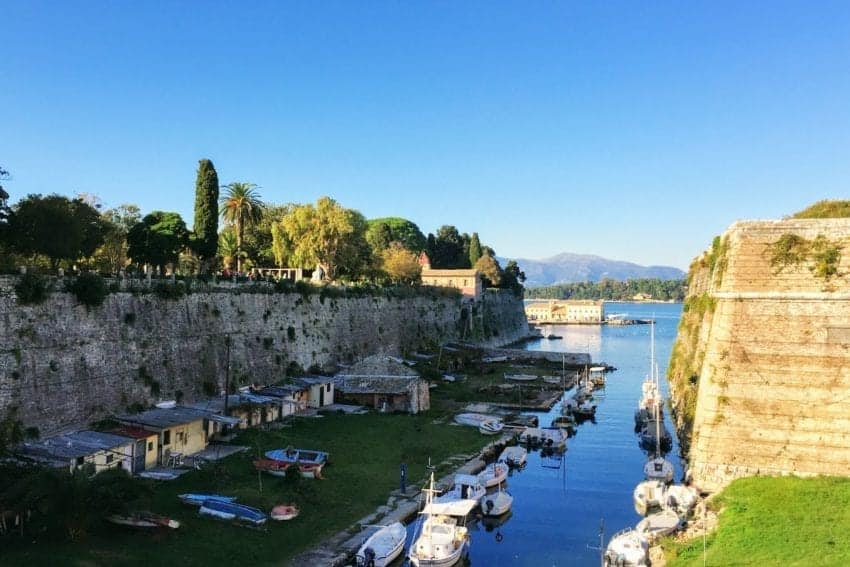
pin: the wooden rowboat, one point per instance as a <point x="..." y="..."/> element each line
<point x="284" y="512"/>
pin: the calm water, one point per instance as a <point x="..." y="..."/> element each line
<point x="559" y="503"/>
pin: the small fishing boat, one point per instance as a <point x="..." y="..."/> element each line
<point x="493" y="474"/>
<point x="649" y="495"/>
<point x="627" y="548"/>
<point x="514" y="456"/>
<point x="548" y="437"/>
<point x="472" y="419"/>
<point x="661" y="523"/>
<point x="465" y="487"/>
<point x="553" y="379"/>
<point x="166" y="404"/>
<point x="521" y="377"/>
<point x="283" y="512"/>
<point x="496" y="503"/>
<point x="440" y="540"/>
<point x="301" y="456"/>
<point x="654" y="435"/>
<point x="491" y="427"/>
<point x="658" y="468"/>
<point x="143" y="520"/>
<point x="198" y="499"/>
<point x="382" y="547"/>
<point x="565" y="422"/>
<point x="159" y="475"/>
<point x="279" y="468"/>
<point x="233" y="511"/>
<point x="491" y="359"/>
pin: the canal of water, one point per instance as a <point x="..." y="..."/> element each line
<point x="560" y="502"/>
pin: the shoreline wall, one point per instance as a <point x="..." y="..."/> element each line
<point x="64" y="365"/>
<point x="760" y="371"/>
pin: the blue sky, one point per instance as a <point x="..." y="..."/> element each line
<point x="635" y="131"/>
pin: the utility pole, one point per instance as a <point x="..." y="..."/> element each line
<point x="227" y="374"/>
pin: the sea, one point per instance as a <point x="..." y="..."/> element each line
<point x="566" y="507"/>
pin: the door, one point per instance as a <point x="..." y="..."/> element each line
<point x="139" y="456"/>
<point x="321" y="396"/>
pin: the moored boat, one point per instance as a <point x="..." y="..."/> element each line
<point x="440" y="540"/>
<point x="521" y="377"/>
<point x="465" y="487"/>
<point x="548" y="437"/>
<point x="301" y="456"/>
<point x="661" y="523"/>
<point x="279" y="468"/>
<point x="649" y="495"/>
<point x="681" y="499"/>
<point x="493" y="474"/>
<point x="382" y="547"/>
<point x="658" y="468"/>
<point x="233" y="511"/>
<point x="491" y="427"/>
<point x="514" y="456"/>
<point x="627" y="548"/>
<point x="472" y="419"/>
<point x="496" y="503"/>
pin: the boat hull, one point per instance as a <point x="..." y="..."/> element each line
<point x="386" y="545"/>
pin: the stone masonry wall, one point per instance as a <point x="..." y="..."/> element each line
<point x="771" y="355"/>
<point x="64" y="365"/>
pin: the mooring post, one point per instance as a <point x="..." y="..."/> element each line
<point x="403" y="478"/>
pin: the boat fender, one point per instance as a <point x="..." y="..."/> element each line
<point x="489" y="505"/>
<point x="499" y="536"/>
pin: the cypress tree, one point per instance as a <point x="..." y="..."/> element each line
<point x="205" y="239"/>
<point x="474" y="249"/>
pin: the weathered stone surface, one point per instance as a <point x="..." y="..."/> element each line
<point x="771" y="350"/>
<point x="62" y="364"/>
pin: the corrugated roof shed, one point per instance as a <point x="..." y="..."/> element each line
<point x="74" y="445"/>
<point x="163" y="418"/>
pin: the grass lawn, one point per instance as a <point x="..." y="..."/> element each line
<point x="365" y="454"/>
<point x="775" y="521"/>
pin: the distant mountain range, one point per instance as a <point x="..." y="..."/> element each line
<point x="569" y="268"/>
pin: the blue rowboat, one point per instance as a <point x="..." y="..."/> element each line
<point x="233" y="511"/>
<point x="301" y="456"/>
<point x="198" y="499"/>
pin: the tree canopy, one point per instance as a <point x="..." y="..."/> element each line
<point x="662" y="290"/>
<point x="490" y="270"/>
<point x="327" y="235"/>
<point x="205" y="230"/>
<point x="56" y="227"/>
<point x="111" y="256"/>
<point x="241" y="207"/>
<point x="381" y="232"/>
<point x="450" y="249"/>
<point x="400" y="264"/>
<point x="158" y="239"/>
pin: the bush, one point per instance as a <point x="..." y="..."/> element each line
<point x="165" y="290"/>
<point x="89" y="289"/>
<point x="32" y="289"/>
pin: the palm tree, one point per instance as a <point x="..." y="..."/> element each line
<point x="241" y="206"/>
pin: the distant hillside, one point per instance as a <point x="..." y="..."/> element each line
<point x="569" y="268"/>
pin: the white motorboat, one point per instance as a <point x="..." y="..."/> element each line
<point x="472" y="419"/>
<point x="493" y="474"/>
<point x="514" y="456"/>
<point x="649" y="495"/>
<point x="441" y="541"/>
<point x="627" y="548"/>
<point x="658" y="468"/>
<point x="382" y="547"/>
<point x="547" y="437"/>
<point x="491" y="427"/>
<point x="659" y="524"/>
<point x="521" y="377"/>
<point x="496" y="503"/>
<point x="465" y="487"/>
<point x="681" y="499"/>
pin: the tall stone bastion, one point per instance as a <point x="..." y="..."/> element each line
<point x="760" y="371"/>
<point x="63" y="364"/>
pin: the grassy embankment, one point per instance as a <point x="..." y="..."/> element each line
<point x="774" y="521"/>
<point x="366" y="451"/>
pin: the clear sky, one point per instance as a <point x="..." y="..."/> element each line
<point x="634" y="130"/>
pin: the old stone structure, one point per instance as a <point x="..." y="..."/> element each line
<point x="62" y="364"/>
<point x="385" y="384"/>
<point x="760" y="372"/>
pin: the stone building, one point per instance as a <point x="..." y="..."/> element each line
<point x="467" y="281"/>
<point x="383" y="383"/>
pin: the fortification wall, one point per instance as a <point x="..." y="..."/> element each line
<point x="62" y="364"/>
<point x="760" y="373"/>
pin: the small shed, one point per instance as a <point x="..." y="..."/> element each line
<point x="250" y="409"/>
<point x="383" y="383"/>
<point x="320" y="388"/>
<point x="144" y="446"/>
<point x="73" y="450"/>
<point x="180" y="430"/>
<point x="291" y="397"/>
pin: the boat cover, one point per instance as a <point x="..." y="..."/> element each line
<point x="458" y="508"/>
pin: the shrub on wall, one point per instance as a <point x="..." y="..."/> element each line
<point x="89" y="289"/>
<point x="32" y="289"/>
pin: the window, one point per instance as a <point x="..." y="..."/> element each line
<point x="327" y="388"/>
<point x="80" y="461"/>
<point x="181" y="437"/>
<point x="109" y="458"/>
<point x="150" y="445"/>
<point x="166" y="437"/>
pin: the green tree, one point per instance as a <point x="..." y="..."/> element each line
<point x="474" y="249"/>
<point x="400" y="264"/>
<point x="513" y="278"/>
<point x="227" y="248"/>
<point x="395" y="229"/>
<point x="111" y="256"/>
<point x="490" y="270"/>
<point x="329" y="236"/>
<point x="158" y="239"/>
<point x="205" y="233"/>
<point x="258" y="239"/>
<point x="56" y="227"/>
<point x="448" y="249"/>
<point x="241" y="207"/>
